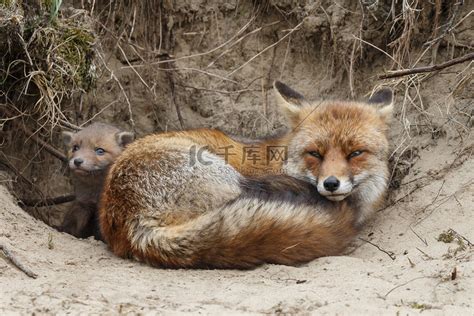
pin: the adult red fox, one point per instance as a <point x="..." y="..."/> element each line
<point x="164" y="206"/>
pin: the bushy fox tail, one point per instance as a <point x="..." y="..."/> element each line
<point x="274" y="223"/>
<point x="161" y="207"/>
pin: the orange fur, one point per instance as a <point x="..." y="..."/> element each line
<point x="217" y="141"/>
<point x="163" y="206"/>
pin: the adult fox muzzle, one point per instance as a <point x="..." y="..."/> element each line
<point x="162" y="207"/>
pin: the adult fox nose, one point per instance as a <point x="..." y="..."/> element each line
<point x="78" y="161"/>
<point x="331" y="184"/>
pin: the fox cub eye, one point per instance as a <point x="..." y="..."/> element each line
<point x="355" y="154"/>
<point x="99" y="151"/>
<point x="75" y="148"/>
<point x="315" y="154"/>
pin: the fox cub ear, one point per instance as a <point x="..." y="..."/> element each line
<point x="383" y="97"/>
<point x="67" y="137"/>
<point x="288" y="99"/>
<point x="124" y="138"/>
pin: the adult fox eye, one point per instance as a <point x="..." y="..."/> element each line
<point x="100" y="151"/>
<point x="355" y="154"/>
<point x="75" y="148"/>
<point x="315" y="154"/>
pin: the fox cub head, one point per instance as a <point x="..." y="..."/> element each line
<point x="340" y="147"/>
<point x="94" y="148"/>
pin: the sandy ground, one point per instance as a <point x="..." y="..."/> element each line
<point x="414" y="273"/>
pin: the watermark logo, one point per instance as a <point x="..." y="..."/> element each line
<point x="277" y="153"/>
<point x="225" y="152"/>
<point x="253" y="154"/>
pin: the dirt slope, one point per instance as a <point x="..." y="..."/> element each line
<point x="403" y="269"/>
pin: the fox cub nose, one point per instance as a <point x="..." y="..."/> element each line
<point x="331" y="184"/>
<point x="78" y="161"/>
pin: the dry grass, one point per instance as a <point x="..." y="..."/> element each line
<point x="47" y="62"/>
<point x="416" y="31"/>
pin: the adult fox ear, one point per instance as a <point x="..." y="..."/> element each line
<point x="124" y="138"/>
<point x="384" y="98"/>
<point x="67" y="137"/>
<point x="289" y="100"/>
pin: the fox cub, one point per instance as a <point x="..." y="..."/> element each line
<point x="91" y="151"/>
<point x="163" y="206"/>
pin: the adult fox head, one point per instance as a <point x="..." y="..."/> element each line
<point x="340" y="147"/>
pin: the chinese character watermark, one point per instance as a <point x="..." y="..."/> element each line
<point x="253" y="154"/>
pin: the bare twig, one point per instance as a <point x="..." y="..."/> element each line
<point x="403" y="284"/>
<point x="402" y="198"/>
<point x="53" y="151"/>
<point x="10" y="256"/>
<point x="240" y="31"/>
<point x="47" y="201"/>
<point x="449" y="63"/>
<point x="424" y="253"/>
<point x="389" y="253"/>
<point x="423" y="240"/>
<point x="444" y="200"/>
<point x="449" y="29"/>
<point x="379" y="49"/>
<point x="239" y="40"/>
<point x="436" y="197"/>
<point x="133" y="69"/>
<point x="210" y="74"/>
<point x="226" y="92"/>
<point x="70" y="125"/>
<point x="265" y="49"/>
<point x="172" y="85"/>
<point x="50" y="149"/>
<point x="114" y="77"/>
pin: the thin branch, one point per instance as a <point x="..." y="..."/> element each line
<point x="10" y="256"/>
<point x="53" y="151"/>
<point x="241" y="30"/>
<point x="265" y="49"/>
<point x="239" y="40"/>
<point x="226" y="92"/>
<point x="47" y="201"/>
<point x="172" y="85"/>
<point x="403" y="284"/>
<point x="379" y="49"/>
<point x="114" y="77"/>
<point x="423" y="240"/>
<point x="403" y="197"/>
<point x="70" y="125"/>
<point x="388" y="253"/>
<point x="210" y="74"/>
<point x="435" y="199"/>
<point x="449" y="63"/>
